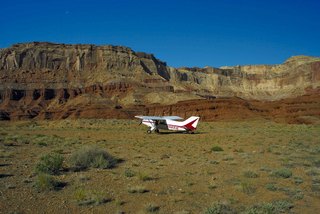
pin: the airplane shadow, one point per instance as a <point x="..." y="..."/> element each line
<point x="165" y="133"/>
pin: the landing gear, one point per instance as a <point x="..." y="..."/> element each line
<point x="190" y="132"/>
<point x="149" y="131"/>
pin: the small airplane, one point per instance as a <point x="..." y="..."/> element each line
<point x="155" y="123"/>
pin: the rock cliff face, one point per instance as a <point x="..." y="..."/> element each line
<point x="260" y="82"/>
<point x="46" y="80"/>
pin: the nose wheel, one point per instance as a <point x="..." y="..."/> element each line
<point x="149" y="131"/>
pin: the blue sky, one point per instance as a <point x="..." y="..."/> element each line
<point x="180" y="32"/>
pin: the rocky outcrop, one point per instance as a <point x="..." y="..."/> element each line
<point x="260" y="82"/>
<point x="46" y="80"/>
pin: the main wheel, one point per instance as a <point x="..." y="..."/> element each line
<point x="149" y="131"/>
<point x="157" y="131"/>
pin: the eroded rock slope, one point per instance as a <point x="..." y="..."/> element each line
<point x="46" y="80"/>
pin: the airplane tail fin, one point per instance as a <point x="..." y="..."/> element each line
<point x="191" y="123"/>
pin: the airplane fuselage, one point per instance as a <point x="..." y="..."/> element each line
<point x="188" y="125"/>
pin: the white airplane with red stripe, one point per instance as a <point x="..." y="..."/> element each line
<point x="155" y="123"/>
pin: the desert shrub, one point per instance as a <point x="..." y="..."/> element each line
<point x="137" y="189"/>
<point x="316" y="163"/>
<point x="250" y="174"/>
<point x="84" y="197"/>
<point x="213" y="186"/>
<point x="80" y="195"/>
<point x="129" y="173"/>
<point x="45" y="140"/>
<point x="13" y="140"/>
<point x="83" y="178"/>
<point x="296" y="194"/>
<point x="143" y="176"/>
<point x="99" y="197"/>
<point x="271" y="187"/>
<point x="50" y="164"/>
<point x="41" y="143"/>
<point x="220" y="208"/>
<point x="214" y="162"/>
<point x="247" y="188"/>
<point x="216" y="149"/>
<point x="45" y="182"/>
<point x="283" y="173"/>
<point x="315" y="187"/>
<point x="270" y="208"/>
<point x="87" y="157"/>
<point x="298" y="180"/>
<point x="228" y="158"/>
<point x="313" y="172"/>
<point x="152" y="208"/>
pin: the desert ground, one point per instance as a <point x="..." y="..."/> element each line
<point x="253" y="166"/>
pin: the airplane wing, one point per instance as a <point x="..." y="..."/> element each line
<point x="159" y="118"/>
<point x="172" y="117"/>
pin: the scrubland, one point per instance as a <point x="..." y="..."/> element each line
<point x="114" y="166"/>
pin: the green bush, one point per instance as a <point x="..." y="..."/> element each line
<point x="45" y="182"/>
<point x="50" y="164"/>
<point x="250" y="174"/>
<point x="216" y="149"/>
<point x="219" y="208"/>
<point x="283" y="173"/>
<point x="129" y="173"/>
<point x="92" y="156"/>
<point x="271" y="187"/>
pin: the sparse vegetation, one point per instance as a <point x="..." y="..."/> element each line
<point x="152" y="208"/>
<point x="212" y="186"/>
<point x="138" y="189"/>
<point x="282" y="173"/>
<point x="247" y="188"/>
<point x="271" y="187"/>
<point x="92" y="156"/>
<point x="250" y="174"/>
<point x="219" y="208"/>
<point x="214" y="162"/>
<point x="174" y="169"/>
<point x="50" y="164"/>
<point x="216" y="149"/>
<point x="293" y="193"/>
<point x="143" y="176"/>
<point x="129" y="173"/>
<point x="45" y="182"/>
<point x="272" y="207"/>
<point x="92" y="197"/>
<point x="298" y="180"/>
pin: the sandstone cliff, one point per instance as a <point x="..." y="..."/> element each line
<point x="46" y="80"/>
